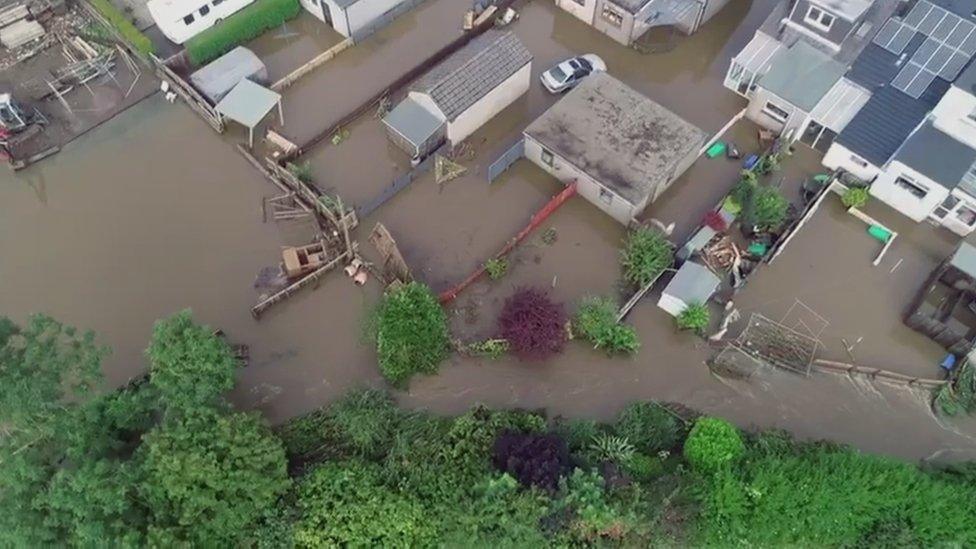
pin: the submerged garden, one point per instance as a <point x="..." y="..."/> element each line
<point x="167" y="461"/>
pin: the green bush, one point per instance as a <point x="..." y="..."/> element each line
<point x="596" y="321"/>
<point x="642" y="467"/>
<point x="612" y="448"/>
<point x="650" y="427"/>
<point x="117" y="19"/>
<point x="237" y="29"/>
<point x="411" y="333"/>
<point x="646" y="254"/>
<point x="768" y="208"/>
<point x="713" y="444"/>
<point x="496" y="267"/>
<point x="366" y="421"/>
<point x="828" y="497"/>
<point x="855" y="197"/>
<point x="695" y="317"/>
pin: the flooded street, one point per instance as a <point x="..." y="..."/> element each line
<point x="153" y="213"/>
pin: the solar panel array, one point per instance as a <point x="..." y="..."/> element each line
<point x="950" y="42"/>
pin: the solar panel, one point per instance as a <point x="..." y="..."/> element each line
<point x="941" y="57"/>
<point x="905" y="77"/>
<point x="969" y="44"/>
<point x="925" y="51"/>
<point x="948" y="23"/>
<point x="886" y="33"/>
<point x="894" y="36"/>
<point x="958" y="34"/>
<point x="931" y="20"/>
<point x="918" y="13"/>
<point x="920" y="84"/>
<point x="955" y="65"/>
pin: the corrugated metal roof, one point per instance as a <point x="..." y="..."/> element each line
<point x="248" y="103"/>
<point x="802" y="75"/>
<point x="693" y="283"/>
<point x="840" y="104"/>
<point x="470" y="73"/>
<point x="937" y="156"/>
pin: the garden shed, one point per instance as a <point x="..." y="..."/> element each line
<point x="248" y="103"/>
<point x="459" y="95"/>
<point x="693" y="283"/>
<point x="217" y="78"/>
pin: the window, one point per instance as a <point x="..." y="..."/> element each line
<point x="819" y="18"/>
<point x="188" y="19"/>
<point x="580" y="2"/>
<point x="606" y="196"/>
<point x="204" y="10"/>
<point x="217" y="2"/>
<point x="947" y="205"/>
<point x="858" y="161"/>
<point x="966" y="215"/>
<point x="916" y="190"/>
<point x="547" y="158"/>
<point x="775" y="112"/>
<point x="612" y="16"/>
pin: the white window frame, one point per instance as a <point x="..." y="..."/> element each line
<point x="817" y="19"/>
<point x="611" y="15"/>
<point x="547" y="157"/>
<point x="606" y="196"/>
<point x="775" y="115"/>
<point x="858" y="161"/>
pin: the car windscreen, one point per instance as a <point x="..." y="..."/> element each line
<point x="584" y="63"/>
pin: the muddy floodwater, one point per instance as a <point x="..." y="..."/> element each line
<point x="153" y="213"/>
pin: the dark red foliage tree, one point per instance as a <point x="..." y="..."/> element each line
<point x="532" y="324"/>
<point x="533" y="459"/>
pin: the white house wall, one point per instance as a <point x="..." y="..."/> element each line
<point x="364" y="12"/>
<point x="754" y="112"/>
<point x="917" y="209"/>
<point x="488" y="106"/>
<point x="839" y="157"/>
<point x="622" y="33"/>
<point x="585" y="12"/>
<point x="951" y="116"/>
<point x="339" y="21"/>
<point x="313" y="7"/>
<point x="586" y="186"/>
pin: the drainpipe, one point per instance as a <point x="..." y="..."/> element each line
<point x="702" y="4"/>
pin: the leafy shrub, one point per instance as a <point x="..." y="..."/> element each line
<point x="411" y="333"/>
<point x="593" y="515"/>
<point x="237" y="29"/>
<point x="496" y="267"/>
<point x="646" y="254"/>
<point x="534" y="459"/>
<point x="533" y="325"/>
<point x="117" y="19"/>
<point x="768" y="208"/>
<point x="345" y="504"/>
<point x="828" y="497"/>
<point x="596" y="320"/>
<point x="499" y="514"/>
<point x="713" y="444"/>
<point x="366" y="421"/>
<point x="695" y="317"/>
<point x="490" y="348"/>
<point x="650" y="427"/>
<point x="578" y="433"/>
<point x="612" y="448"/>
<point x="643" y="467"/>
<point x="303" y="171"/>
<point x="855" y="197"/>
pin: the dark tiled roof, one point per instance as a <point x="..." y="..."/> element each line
<point x="470" y="73"/>
<point x="937" y="156"/>
<point x="882" y="125"/>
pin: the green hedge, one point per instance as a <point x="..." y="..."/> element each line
<point x="117" y="19"/>
<point x="244" y="25"/>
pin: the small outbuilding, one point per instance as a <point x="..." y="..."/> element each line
<point x="357" y="18"/>
<point x="693" y="283"/>
<point x="459" y="95"/>
<point x="248" y="103"/>
<point x="217" y="78"/>
<point x="622" y="149"/>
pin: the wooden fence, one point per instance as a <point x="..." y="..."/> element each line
<point x="188" y="94"/>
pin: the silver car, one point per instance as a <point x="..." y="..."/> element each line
<point x="567" y="74"/>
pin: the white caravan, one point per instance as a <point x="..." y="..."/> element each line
<point x="180" y="20"/>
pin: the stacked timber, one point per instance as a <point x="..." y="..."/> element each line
<point x="22" y="32"/>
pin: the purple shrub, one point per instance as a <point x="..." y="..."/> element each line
<point x="533" y="459"/>
<point x="533" y="325"/>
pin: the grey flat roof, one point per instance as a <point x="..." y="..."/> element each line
<point x="217" y="78"/>
<point x="936" y="155"/>
<point x="802" y="75"/>
<point x="471" y="72"/>
<point x="848" y="9"/>
<point x="411" y="120"/>
<point x="248" y="103"/>
<point x="617" y="136"/>
<point x="693" y="283"/>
